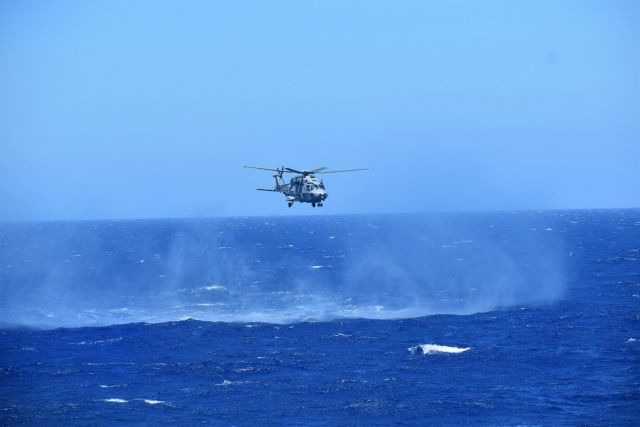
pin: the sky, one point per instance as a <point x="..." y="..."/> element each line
<point x="149" y="109"/>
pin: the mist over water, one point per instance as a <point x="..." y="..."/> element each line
<point x="278" y="270"/>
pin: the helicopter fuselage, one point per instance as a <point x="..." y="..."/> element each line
<point x="304" y="189"/>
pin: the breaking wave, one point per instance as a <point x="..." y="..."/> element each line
<point x="435" y="349"/>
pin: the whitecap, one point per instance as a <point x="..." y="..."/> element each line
<point x="155" y="402"/>
<point x="227" y="383"/>
<point x="435" y="349"/>
<point x="106" y="341"/>
<point x="214" y="288"/>
<point x="115" y="400"/>
<point x="340" y="334"/>
<point x="632" y="340"/>
<point x="315" y="267"/>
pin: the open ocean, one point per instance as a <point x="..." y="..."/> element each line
<point x="506" y="318"/>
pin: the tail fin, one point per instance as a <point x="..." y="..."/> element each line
<point x="278" y="178"/>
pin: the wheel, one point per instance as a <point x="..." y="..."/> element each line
<point x="313" y="204"/>
<point x="290" y="203"/>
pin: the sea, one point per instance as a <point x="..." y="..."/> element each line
<point x="525" y="318"/>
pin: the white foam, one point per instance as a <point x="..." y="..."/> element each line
<point x="632" y="340"/>
<point x="107" y="341"/>
<point x="115" y="400"/>
<point x="154" y="402"/>
<point x="340" y="334"/>
<point x="317" y="266"/>
<point x="435" y="349"/>
<point x="215" y="288"/>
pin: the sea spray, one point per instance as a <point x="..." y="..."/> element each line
<point x="279" y="270"/>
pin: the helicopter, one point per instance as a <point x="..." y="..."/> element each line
<point x="303" y="188"/>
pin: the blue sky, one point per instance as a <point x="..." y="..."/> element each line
<point x="117" y="109"/>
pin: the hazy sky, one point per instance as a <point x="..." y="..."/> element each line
<point x="120" y="109"/>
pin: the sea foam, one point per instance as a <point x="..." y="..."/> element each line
<point x="435" y="349"/>
<point x="115" y="400"/>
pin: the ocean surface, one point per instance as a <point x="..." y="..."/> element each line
<point x="506" y="318"/>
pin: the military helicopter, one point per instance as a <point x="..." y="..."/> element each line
<point x="304" y="188"/>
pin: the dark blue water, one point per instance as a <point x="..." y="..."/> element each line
<point x="486" y="318"/>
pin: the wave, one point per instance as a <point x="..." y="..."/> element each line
<point x="152" y="402"/>
<point x="437" y="349"/>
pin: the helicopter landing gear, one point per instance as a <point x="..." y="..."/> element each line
<point x="313" y="204"/>
<point x="289" y="204"/>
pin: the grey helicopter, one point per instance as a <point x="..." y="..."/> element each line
<point x="303" y="188"/>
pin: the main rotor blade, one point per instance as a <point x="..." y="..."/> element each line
<point x="306" y="172"/>
<point x="346" y="170"/>
<point x="294" y="170"/>
<point x="264" y="169"/>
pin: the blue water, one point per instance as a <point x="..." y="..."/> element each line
<point x="480" y="318"/>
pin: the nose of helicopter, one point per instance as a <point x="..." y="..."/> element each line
<point x="320" y="195"/>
